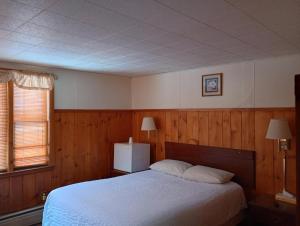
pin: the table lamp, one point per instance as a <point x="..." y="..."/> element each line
<point x="148" y="125"/>
<point x="279" y="130"/>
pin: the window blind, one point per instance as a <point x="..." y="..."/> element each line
<point x="3" y="126"/>
<point x="31" y="120"/>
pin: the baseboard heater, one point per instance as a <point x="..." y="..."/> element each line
<point x="26" y="217"/>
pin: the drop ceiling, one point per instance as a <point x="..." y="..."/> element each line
<point x="143" y="37"/>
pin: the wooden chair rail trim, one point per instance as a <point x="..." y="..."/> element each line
<point x="176" y="109"/>
<point x="90" y="110"/>
<point x="218" y="109"/>
<point x="32" y="170"/>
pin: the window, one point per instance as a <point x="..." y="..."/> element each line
<point x="3" y="126"/>
<point x="24" y="127"/>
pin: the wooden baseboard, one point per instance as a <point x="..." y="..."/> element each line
<point x="27" y="217"/>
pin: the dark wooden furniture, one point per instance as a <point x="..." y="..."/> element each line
<point x="297" y="93"/>
<point x="239" y="162"/>
<point x="265" y="211"/>
<point x="116" y="173"/>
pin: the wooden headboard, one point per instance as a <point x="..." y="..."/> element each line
<point x="239" y="162"/>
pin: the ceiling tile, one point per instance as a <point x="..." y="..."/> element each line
<point x="189" y="45"/>
<point x="118" y="40"/>
<point x="98" y="46"/>
<point x="67" y="8"/>
<point x="49" y="34"/>
<point x="261" y="39"/>
<point x="205" y="35"/>
<point x="53" y="55"/>
<point x="80" y="49"/>
<point x="92" y="14"/>
<point x="63" y="54"/>
<point x="138" y="37"/>
<point x="236" y="24"/>
<point x="11" y="47"/>
<point x="23" y="38"/>
<point x="44" y="59"/>
<point x="42" y="4"/>
<point x="166" y="38"/>
<point x="143" y="32"/>
<point x="17" y="10"/>
<point x="275" y="16"/>
<point x="152" y="13"/>
<point x="10" y="23"/>
<point x="143" y="46"/>
<point x="69" y="26"/>
<point x="4" y="33"/>
<point x="201" y="10"/>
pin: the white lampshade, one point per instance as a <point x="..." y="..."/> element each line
<point x="148" y="124"/>
<point x="278" y="129"/>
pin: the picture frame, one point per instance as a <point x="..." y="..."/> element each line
<point x="212" y="85"/>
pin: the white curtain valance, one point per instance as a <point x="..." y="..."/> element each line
<point x="28" y="79"/>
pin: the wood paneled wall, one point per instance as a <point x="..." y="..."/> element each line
<point x="83" y="144"/>
<point x="23" y="191"/>
<point x="231" y="128"/>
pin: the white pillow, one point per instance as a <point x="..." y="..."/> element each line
<point x="207" y="174"/>
<point x="173" y="167"/>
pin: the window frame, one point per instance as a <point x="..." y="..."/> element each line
<point x="11" y="169"/>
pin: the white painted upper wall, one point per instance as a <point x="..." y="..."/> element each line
<point x="85" y="90"/>
<point x="259" y="83"/>
<point x="274" y="81"/>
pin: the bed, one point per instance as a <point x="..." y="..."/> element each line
<point x="154" y="198"/>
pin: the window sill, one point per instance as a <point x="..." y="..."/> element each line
<point x="21" y="172"/>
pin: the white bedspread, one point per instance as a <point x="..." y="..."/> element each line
<point x="143" y="199"/>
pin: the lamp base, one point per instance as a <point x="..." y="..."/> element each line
<point x="286" y="197"/>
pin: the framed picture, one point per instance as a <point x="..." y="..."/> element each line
<point x="212" y="84"/>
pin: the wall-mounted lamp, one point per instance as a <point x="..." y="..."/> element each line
<point x="148" y="125"/>
<point x="279" y="130"/>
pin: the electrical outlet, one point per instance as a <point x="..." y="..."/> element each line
<point x="43" y="196"/>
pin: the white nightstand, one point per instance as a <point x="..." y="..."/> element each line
<point x="131" y="157"/>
